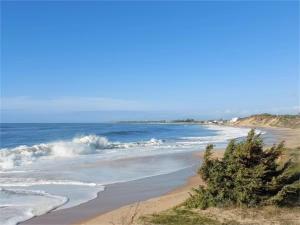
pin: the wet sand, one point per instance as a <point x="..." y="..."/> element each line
<point x="119" y="202"/>
<point x="124" y="214"/>
<point x="118" y="195"/>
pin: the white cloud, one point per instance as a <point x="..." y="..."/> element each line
<point x="68" y="104"/>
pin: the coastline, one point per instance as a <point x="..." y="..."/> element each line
<point x="175" y="197"/>
<point x="178" y="195"/>
<point x="153" y="205"/>
<point x="120" y="194"/>
<point x="148" y="195"/>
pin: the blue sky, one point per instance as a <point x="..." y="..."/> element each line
<point x="102" y="61"/>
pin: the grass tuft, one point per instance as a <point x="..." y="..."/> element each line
<point x="179" y="217"/>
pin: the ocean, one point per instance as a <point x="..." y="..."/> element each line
<point x="46" y="167"/>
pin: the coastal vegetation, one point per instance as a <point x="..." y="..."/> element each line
<point x="179" y="216"/>
<point x="269" y="120"/>
<point x="249" y="178"/>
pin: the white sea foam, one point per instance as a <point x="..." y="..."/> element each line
<point x="14" y="171"/>
<point x="19" y="205"/>
<point x="74" y="171"/>
<point x="91" y="144"/>
<point x="223" y="134"/>
<point x="26" y="182"/>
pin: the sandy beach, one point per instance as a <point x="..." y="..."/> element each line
<point x="107" y="109"/>
<point x="122" y="203"/>
<point x="123" y="215"/>
<point x="121" y="194"/>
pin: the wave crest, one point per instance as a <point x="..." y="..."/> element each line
<point x="82" y="145"/>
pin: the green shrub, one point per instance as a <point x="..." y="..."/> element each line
<point x="247" y="175"/>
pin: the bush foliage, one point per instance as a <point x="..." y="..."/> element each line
<point x="247" y="176"/>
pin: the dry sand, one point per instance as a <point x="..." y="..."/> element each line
<point x="291" y="137"/>
<point x="124" y="215"/>
<point x="120" y="194"/>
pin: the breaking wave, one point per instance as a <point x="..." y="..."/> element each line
<point x="91" y="144"/>
<point x="30" y="191"/>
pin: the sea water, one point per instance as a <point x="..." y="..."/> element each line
<point x="46" y="167"/>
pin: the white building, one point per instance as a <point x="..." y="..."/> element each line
<point x="234" y="119"/>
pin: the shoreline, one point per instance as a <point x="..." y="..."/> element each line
<point x="178" y="195"/>
<point x="108" y="209"/>
<point x="157" y="204"/>
<point x="118" y="195"/>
